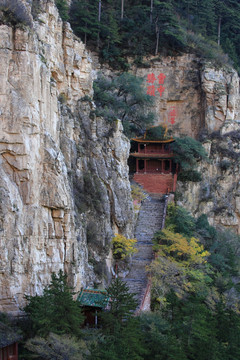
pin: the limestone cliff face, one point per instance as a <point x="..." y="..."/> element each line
<point x="63" y="172"/>
<point x="191" y="96"/>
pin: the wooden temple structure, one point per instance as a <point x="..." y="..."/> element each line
<point x="92" y="302"/>
<point x="8" y="343"/>
<point x="155" y="169"/>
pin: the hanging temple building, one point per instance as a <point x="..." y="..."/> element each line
<point x="154" y="168"/>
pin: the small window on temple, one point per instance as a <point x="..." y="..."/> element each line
<point x="167" y="165"/>
<point x="141" y="146"/>
<point x="141" y="164"/>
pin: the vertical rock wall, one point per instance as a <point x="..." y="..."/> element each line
<point x="63" y="173"/>
<point x="192" y="96"/>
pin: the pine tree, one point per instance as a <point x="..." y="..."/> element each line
<point x="84" y="18"/>
<point x="124" y="98"/>
<point x="122" y="336"/>
<point x="63" y="9"/>
<point x="55" y="311"/>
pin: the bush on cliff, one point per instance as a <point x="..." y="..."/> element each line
<point x="14" y="12"/>
<point x="124" y="98"/>
<point x="187" y="153"/>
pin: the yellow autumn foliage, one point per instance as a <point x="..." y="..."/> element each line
<point x="123" y="247"/>
<point x="179" y="248"/>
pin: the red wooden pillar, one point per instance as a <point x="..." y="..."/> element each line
<point x="163" y="166"/>
<point x="16" y="350"/>
<point x="138" y="147"/>
<point x="174" y="182"/>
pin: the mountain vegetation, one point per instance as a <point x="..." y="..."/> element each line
<point x="187" y="153"/>
<point x="208" y="28"/>
<point x="55" y="311"/>
<point x="119" y="29"/>
<point x="195" y="304"/>
<point x="124" y="97"/>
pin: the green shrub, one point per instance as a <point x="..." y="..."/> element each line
<point x="180" y="220"/>
<point x="156" y="133"/>
<point x="14" y="12"/>
<point x="225" y="164"/>
<point x="188" y="152"/>
<point x="57" y="347"/>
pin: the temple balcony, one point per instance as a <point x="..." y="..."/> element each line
<point x="153" y="155"/>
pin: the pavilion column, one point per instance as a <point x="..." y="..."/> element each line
<point x="174" y="182"/>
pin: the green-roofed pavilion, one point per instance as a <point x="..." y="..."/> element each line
<point x="92" y="301"/>
<point x="93" y="298"/>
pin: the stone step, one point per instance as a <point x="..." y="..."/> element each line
<point x="149" y="221"/>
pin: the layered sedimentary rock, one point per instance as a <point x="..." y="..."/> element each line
<point x="63" y="172"/>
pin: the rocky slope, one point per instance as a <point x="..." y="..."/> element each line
<point x="63" y="172"/>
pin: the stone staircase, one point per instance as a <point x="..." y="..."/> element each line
<point x="150" y="220"/>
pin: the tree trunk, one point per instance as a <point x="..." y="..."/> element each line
<point x="157" y="36"/>
<point x="151" y="12"/>
<point x="219" y="30"/>
<point x="85" y="37"/>
<point x="122" y="9"/>
<point x="99" y="20"/>
<point x="99" y="10"/>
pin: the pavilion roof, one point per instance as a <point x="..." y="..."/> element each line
<point x="93" y="297"/>
<point x="143" y="140"/>
<point x="7" y="335"/>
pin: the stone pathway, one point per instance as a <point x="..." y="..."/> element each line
<point x="150" y="220"/>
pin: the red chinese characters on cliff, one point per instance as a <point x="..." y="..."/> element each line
<point x="151" y="88"/>
<point x="155" y="84"/>
<point x="151" y="78"/>
<point x="161" y="78"/>
<point x="172" y="115"/>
